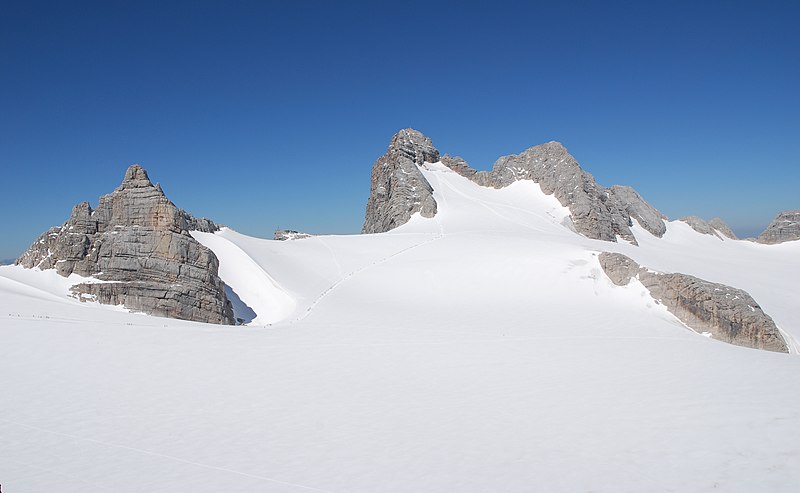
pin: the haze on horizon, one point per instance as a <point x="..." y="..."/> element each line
<point x="265" y="115"/>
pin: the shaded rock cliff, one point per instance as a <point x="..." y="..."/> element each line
<point x="136" y="242"/>
<point x="729" y="314"/>
<point x="397" y="188"/>
<point x="785" y="227"/>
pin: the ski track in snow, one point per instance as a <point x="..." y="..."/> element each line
<point x="355" y="272"/>
<point x="488" y="365"/>
<point x="486" y="204"/>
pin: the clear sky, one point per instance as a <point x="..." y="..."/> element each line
<point x="265" y="114"/>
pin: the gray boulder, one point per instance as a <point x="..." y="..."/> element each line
<point x="729" y="314"/>
<point x="398" y="189"/>
<point x="137" y="244"/>
<point x="785" y="227"/>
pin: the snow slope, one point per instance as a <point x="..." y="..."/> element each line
<point x="481" y="350"/>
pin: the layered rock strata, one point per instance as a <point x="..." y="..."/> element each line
<point x="785" y="227"/>
<point x="398" y="189"/>
<point x="729" y="314"/>
<point x="136" y="243"/>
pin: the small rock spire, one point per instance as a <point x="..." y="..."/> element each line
<point x="135" y="177"/>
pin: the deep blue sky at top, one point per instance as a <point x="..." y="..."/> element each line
<point x="270" y="114"/>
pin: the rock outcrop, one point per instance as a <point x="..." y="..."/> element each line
<point x="596" y="212"/>
<point x="398" y="189"/>
<point x="785" y="227"/>
<point x="715" y="227"/>
<point x="631" y="203"/>
<point x="137" y="245"/>
<point x="729" y="314"/>
<point x="290" y="234"/>
<point x="722" y="228"/>
<point x="698" y="224"/>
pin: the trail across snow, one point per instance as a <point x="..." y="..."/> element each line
<point x="481" y="350"/>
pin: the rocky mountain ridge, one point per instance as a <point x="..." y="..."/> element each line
<point x="137" y="244"/>
<point x="398" y="189"/>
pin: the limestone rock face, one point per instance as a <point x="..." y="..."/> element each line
<point x="785" y="227"/>
<point x="136" y="242"/>
<point x="729" y="314"/>
<point x="699" y="224"/>
<point x="716" y="227"/>
<point x="596" y="212"/>
<point x="628" y="200"/>
<point x="397" y="187"/>
<point x="722" y="228"/>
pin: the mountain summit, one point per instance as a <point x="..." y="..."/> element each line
<point x="398" y="189"/>
<point x="137" y="248"/>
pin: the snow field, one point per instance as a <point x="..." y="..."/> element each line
<point x="481" y="350"/>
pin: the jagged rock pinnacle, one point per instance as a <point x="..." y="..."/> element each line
<point x="398" y="189"/>
<point x="135" y="177"/>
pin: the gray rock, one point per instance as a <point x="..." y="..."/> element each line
<point x="722" y="228"/>
<point x="290" y="234"/>
<point x="397" y="187"/>
<point x="630" y="202"/>
<point x="137" y="243"/>
<point x="700" y="225"/>
<point x="715" y="227"/>
<point x="596" y="212"/>
<point x="458" y="165"/>
<point x="785" y="227"/>
<point x="729" y="314"/>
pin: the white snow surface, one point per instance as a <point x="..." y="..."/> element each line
<point x="480" y="350"/>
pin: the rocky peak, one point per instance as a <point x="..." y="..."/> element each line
<point x="414" y="145"/>
<point x="398" y="189"/>
<point x="785" y="227"/>
<point x="138" y="240"/>
<point x="722" y="227"/>
<point x="135" y="177"/>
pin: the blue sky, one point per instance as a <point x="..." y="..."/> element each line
<point x="270" y="114"/>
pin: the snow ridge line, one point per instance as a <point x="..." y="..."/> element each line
<point x="165" y="456"/>
<point x="487" y="204"/>
<point x="355" y="272"/>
